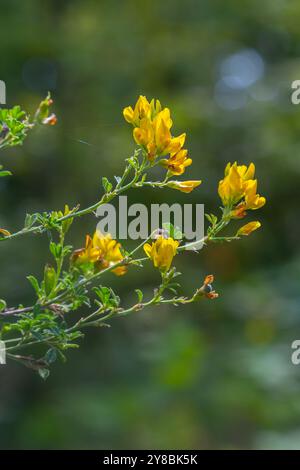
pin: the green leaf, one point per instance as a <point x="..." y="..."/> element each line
<point x="30" y="219"/>
<point x="107" y="297"/>
<point x="140" y="295"/>
<point x="5" y="173"/>
<point x="34" y="282"/>
<point x="55" y="249"/>
<point x="213" y="219"/>
<point x="107" y="186"/>
<point x="49" y="279"/>
<point x="133" y="161"/>
<point x="2" y="305"/>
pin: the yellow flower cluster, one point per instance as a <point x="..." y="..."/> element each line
<point x="239" y="187"/>
<point x="102" y="251"/>
<point x="162" y="252"/>
<point x="238" y="191"/>
<point x="152" y="130"/>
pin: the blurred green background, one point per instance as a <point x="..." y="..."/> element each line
<point x="213" y="375"/>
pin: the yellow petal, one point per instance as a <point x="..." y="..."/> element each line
<point x="148" y="249"/>
<point x="184" y="186"/>
<point x="176" y="144"/>
<point x="5" y="232"/>
<point x="248" y="228"/>
<point x="128" y="114"/>
<point x="249" y="175"/>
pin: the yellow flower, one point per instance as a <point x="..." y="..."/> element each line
<point x="252" y="199"/>
<point x="184" y="186"/>
<point x="152" y="126"/>
<point x="163" y="140"/>
<point x="162" y="252"/>
<point x="177" y="162"/>
<point x="155" y="136"/>
<point x="238" y="184"/>
<point x="110" y="252"/>
<point x="143" y="109"/>
<point x="140" y="111"/>
<point x="248" y="228"/>
<point x="89" y="254"/>
<point x="4" y="232"/>
<point x="144" y="134"/>
<point x="102" y="251"/>
<point x="246" y="173"/>
<point x="231" y="188"/>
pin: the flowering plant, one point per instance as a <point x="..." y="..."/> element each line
<point x="39" y="334"/>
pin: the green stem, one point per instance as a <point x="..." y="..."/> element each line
<point x="107" y="197"/>
<point x="96" y="276"/>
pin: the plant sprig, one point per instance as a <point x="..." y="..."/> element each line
<point x="46" y="327"/>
